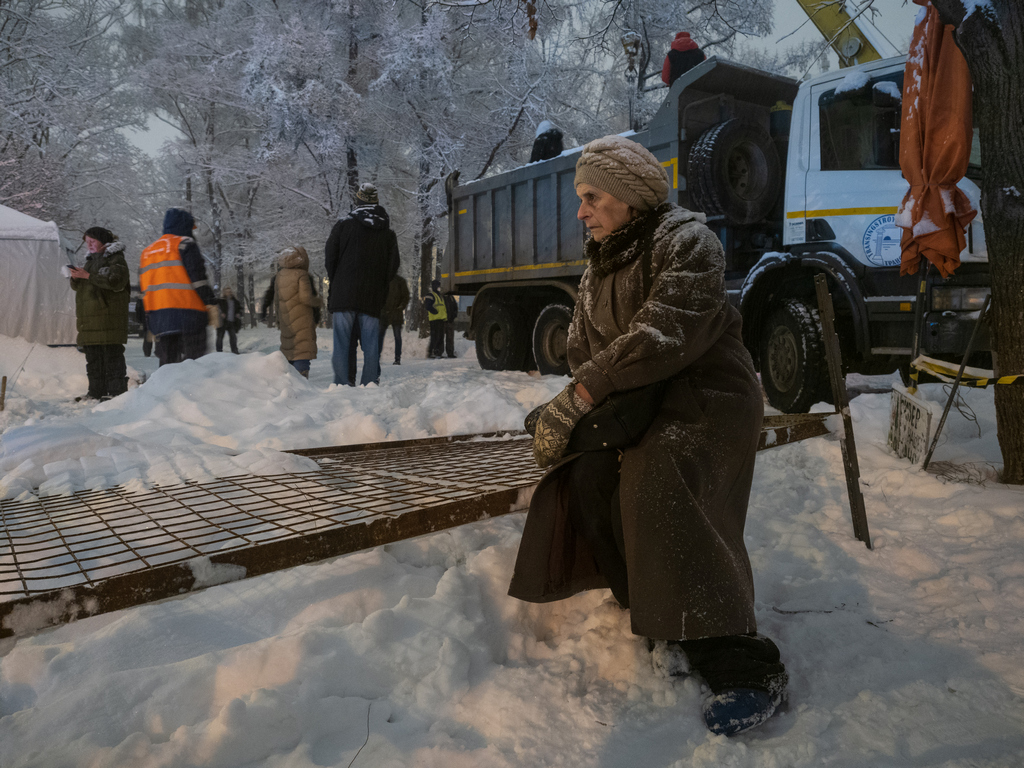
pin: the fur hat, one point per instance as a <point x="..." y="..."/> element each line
<point x="293" y="257"/>
<point x="625" y="170"/>
<point x="367" y="194"/>
<point x="105" y="236"/>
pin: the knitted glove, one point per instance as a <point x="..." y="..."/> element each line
<point x="555" y="424"/>
<point x="530" y="422"/>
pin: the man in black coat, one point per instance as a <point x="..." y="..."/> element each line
<point x="361" y="257"/>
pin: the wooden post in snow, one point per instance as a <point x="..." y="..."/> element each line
<point x="835" y="374"/>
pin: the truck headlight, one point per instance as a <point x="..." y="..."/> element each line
<point x="964" y="299"/>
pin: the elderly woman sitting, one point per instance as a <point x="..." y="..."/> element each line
<point x="654" y="511"/>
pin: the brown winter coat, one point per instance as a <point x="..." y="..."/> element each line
<point x="294" y="299"/>
<point x="684" y="488"/>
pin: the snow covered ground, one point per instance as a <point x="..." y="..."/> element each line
<point x="411" y="654"/>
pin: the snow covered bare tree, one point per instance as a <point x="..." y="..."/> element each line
<point x="63" y="107"/>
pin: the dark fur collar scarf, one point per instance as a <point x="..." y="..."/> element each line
<point x="621" y="246"/>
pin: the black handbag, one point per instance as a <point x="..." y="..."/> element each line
<point x="620" y="421"/>
<point x="623" y="418"/>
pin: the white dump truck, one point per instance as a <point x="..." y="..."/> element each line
<point x="797" y="179"/>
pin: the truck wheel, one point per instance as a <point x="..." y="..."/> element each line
<point x="550" y="335"/>
<point x="734" y="171"/>
<point x="794" y="370"/>
<point x="501" y="339"/>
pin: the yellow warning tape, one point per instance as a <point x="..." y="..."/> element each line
<point x="972" y="377"/>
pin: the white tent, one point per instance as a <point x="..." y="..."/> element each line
<point x="36" y="301"/>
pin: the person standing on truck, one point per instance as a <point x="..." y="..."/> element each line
<point x="437" y="315"/>
<point x="547" y="142"/>
<point x="652" y="443"/>
<point x="683" y="56"/>
<point x="361" y="257"/>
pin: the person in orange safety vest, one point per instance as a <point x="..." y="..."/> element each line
<point x="178" y="300"/>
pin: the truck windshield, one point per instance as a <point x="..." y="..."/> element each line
<point x="860" y="128"/>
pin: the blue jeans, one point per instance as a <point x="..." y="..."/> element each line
<point x="369" y="339"/>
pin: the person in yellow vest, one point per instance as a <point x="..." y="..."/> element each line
<point x="178" y="299"/>
<point x="437" y="314"/>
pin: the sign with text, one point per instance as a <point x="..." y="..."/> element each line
<point x="910" y="424"/>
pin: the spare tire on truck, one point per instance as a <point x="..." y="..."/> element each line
<point x="502" y="338"/>
<point x="550" y="339"/>
<point x="733" y="170"/>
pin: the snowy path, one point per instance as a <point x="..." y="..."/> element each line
<point x="911" y="654"/>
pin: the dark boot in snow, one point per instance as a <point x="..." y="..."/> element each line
<point x="739" y="709"/>
<point x="305" y="374"/>
<point x="746" y="677"/>
<point x="117" y="386"/>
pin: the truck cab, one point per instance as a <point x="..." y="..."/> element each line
<point x="843" y="188"/>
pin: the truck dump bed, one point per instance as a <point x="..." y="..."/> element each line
<point x="522" y="225"/>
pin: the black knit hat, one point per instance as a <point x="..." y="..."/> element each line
<point x="105" y="236"/>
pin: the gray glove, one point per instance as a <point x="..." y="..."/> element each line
<point x="555" y="424"/>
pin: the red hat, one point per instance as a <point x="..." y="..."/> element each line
<point x="683" y="43"/>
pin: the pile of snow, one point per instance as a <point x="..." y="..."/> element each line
<point x="910" y="654"/>
<point x="229" y="414"/>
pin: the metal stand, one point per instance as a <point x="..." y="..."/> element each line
<point x="922" y="288"/>
<point x="849" y="447"/>
<point x="956" y="382"/>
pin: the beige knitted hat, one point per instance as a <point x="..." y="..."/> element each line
<point x="623" y="169"/>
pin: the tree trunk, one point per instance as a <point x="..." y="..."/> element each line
<point x="351" y="164"/>
<point x="418" y="313"/>
<point x="994" y="49"/>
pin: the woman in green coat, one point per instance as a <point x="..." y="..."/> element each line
<point x="102" y="294"/>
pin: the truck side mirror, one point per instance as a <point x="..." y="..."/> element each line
<point x="886" y="95"/>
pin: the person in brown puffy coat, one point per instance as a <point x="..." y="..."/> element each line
<point x="294" y="301"/>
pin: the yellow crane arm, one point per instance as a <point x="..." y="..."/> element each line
<point x="852" y="36"/>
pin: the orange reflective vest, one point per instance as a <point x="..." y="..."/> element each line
<point x="163" y="279"/>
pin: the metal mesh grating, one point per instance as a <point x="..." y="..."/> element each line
<point x="56" y="542"/>
<point x="62" y="558"/>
